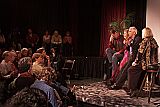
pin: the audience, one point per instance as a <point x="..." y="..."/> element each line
<point x="128" y="55"/>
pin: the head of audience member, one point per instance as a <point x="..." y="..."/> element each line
<point x="24" y="64"/>
<point x="30" y="52"/>
<point x="24" y="52"/>
<point x="5" y="56"/>
<point x="132" y="32"/>
<point x="67" y="33"/>
<point x="12" y="55"/>
<point x="56" y="33"/>
<point x="53" y="52"/>
<point x="30" y="31"/>
<point x="38" y="57"/>
<point x="42" y="51"/>
<point x="46" y="32"/>
<point x="147" y="33"/>
<point x="28" y="97"/>
<point x="18" y="53"/>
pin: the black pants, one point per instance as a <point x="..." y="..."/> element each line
<point x="135" y="77"/>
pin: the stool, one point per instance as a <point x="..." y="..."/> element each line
<point x="150" y="73"/>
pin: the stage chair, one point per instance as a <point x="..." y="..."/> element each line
<point x="149" y="79"/>
<point x="67" y="69"/>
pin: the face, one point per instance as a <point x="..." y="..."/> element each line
<point x="25" y="53"/>
<point x="40" y="60"/>
<point x="116" y="35"/>
<point x="12" y="57"/>
<point x="46" y="32"/>
<point x="56" y="32"/>
<point x="125" y="34"/>
<point x="67" y="33"/>
<point x="30" y="30"/>
<point x="30" y="62"/>
<point x="131" y="32"/>
<point x="44" y="52"/>
<point x="143" y="33"/>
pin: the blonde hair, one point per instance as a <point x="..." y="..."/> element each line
<point x="147" y="32"/>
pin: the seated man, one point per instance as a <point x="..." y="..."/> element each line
<point x="115" y="51"/>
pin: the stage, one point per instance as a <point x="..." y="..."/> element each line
<point x="94" y="93"/>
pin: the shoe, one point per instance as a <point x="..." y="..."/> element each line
<point x="134" y="93"/>
<point x="109" y="82"/>
<point x="115" y="87"/>
<point x="128" y="91"/>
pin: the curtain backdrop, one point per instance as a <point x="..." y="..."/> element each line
<point x="112" y="10"/>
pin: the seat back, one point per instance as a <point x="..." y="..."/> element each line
<point x="68" y="64"/>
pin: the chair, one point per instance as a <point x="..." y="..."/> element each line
<point x="67" y="69"/>
<point x="149" y="79"/>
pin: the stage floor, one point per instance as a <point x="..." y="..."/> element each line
<point x="94" y="91"/>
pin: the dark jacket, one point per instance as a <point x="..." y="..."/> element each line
<point x="135" y="45"/>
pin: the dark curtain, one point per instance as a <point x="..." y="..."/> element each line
<point x="139" y="8"/>
<point x="81" y="17"/>
<point x="112" y="10"/>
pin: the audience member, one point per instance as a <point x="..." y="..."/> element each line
<point x="28" y="97"/>
<point x="67" y="45"/>
<point x="47" y="62"/>
<point x="41" y="83"/>
<point x="31" y="40"/>
<point x="46" y="41"/>
<point x="56" y="42"/>
<point x="38" y="61"/>
<point x="2" y="41"/>
<point x="24" y="52"/>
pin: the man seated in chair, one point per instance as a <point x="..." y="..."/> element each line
<point x="147" y="54"/>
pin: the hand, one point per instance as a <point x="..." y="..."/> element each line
<point x="117" y="53"/>
<point x="47" y="57"/>
<point x="134" y="64"/>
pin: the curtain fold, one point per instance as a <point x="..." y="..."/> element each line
<point x="112" y="10"/>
